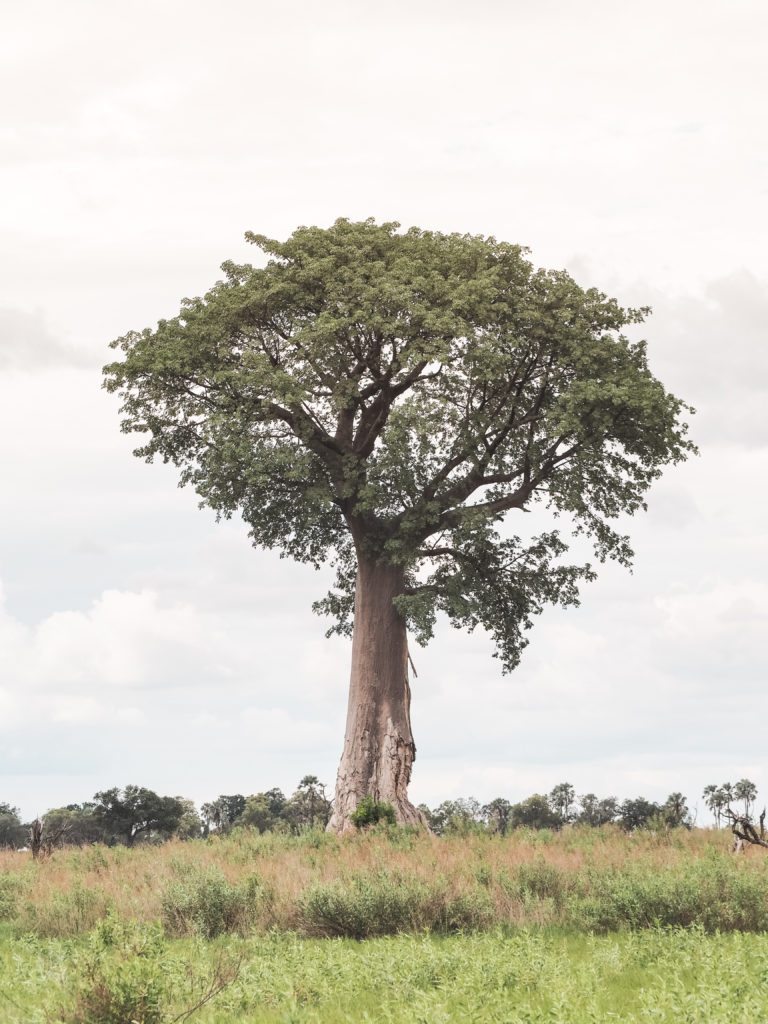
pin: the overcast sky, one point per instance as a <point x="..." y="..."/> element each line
<point x="142" y="642"/>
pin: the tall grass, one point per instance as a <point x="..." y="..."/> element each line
<point x="588" y="880"/>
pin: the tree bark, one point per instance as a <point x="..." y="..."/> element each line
<point x="378" y="745"/>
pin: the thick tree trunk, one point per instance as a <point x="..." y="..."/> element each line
<point x="378" y="746"/>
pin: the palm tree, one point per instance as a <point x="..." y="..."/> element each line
<point x="746" y="791"/>
<point x="727" y="794"/>
<point x="211" y="814"/>
<point x="717" y="798"/>
<point x="676" y="810"/>
<point x="710" y="800"/>
<point x="497" y="814"/>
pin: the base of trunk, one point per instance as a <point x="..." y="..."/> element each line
<point x="380" y="770"/>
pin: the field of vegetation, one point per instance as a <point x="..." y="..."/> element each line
<point x="579" y="925"/>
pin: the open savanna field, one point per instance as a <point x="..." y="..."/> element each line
<point x="580" y="925"/>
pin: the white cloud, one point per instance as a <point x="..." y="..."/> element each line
<point x="138" y="638"/>
<point x="123" y="640"/>
<point x="712" y="345"/>
<point x="27" y="344"/>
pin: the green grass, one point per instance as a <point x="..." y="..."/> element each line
<point x="532" y="976"/>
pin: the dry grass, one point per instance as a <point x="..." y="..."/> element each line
<point x="527" y="876"/>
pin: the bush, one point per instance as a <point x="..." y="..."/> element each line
<point x="206" y="904"/>
<point x="382" y="904"/>
<point x="359" y="908"/>
<point x="714" y="896"/>
<point x="372" y="812"/>
<point x="121" y="977"/>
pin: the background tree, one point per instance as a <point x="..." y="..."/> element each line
<point x="561" y="800"/>
<point x="383" y="399"/>
<point x="709" y="798"/>
<point x="497" y="815"/>
<point x="745" y="791"/>
<point x="535" y="812"/>
<point x="222" y="813"/>
<point x="718" y="800"/>
<point x="190" y="824"/>
<point x="264" y="811"/>
<point x="79" y="824"/>
<point x="637" y="813"/>
<point x="457" y="817"/>
<point x="309" y="807"/>
<point x="137" y="813"/>
<point x="427" y="816"/>
<point x="726" y="795"/>
<point x="44" y="837"/>
<point x="12" y="832"/>
<point x="596" y="812"/>
<point x="675" y="811"/>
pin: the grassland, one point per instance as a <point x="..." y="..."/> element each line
<point x="589" y="925"/>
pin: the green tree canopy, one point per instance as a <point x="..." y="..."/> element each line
<point x="534" y="812"/>
<point x="12" y="832"/>
<point x="137" y="812"/>
<point x="411" y="388"/>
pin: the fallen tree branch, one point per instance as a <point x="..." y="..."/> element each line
<point x="744" y="830"/>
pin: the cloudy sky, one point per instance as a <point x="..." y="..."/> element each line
<point x="142" y="642"/>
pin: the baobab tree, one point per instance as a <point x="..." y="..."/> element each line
<point x="382" y="400"/>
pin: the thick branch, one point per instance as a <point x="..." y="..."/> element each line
<point x="374" y="417"/>
<point x="743" y="829"/>
<point x="517" y="499"/>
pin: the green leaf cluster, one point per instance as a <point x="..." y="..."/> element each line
<point x="391" y="395"/>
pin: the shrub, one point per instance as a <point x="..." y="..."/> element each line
<point x="372" y="812"/>
<point x="715" y="896"/>
<point x="381" y="904"/>
<point x="121" y="977"/>
<point x="359" y="908"/>
<point x="206" y="904"/>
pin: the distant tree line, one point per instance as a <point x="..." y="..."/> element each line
<point x="559" y="808"/>
<point x="136" y="815"/>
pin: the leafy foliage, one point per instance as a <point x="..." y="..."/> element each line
<point x="129" y="988"/>
<point x="393" y="395"/>
<point x="127" y="974"/>
<point x="206" y="904"/>
<point x="12" y="832"/>
<point x="384" y="904"/>
<point x="719" y="798"/>
<point x="372" y="812"/>
<point x="535" y="812"/>
<point x="595" y="811"/>
<point x="137" y="811"/>
<point x="308" y="810"/>
<point x="525" y="976"/>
